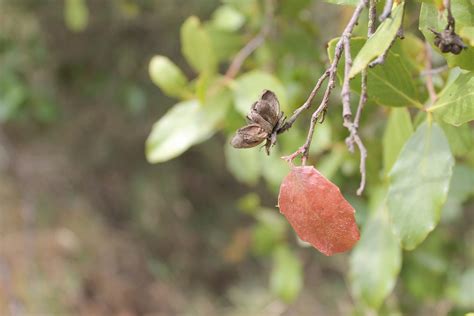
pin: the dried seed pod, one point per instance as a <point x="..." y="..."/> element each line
<point x="249" y="136"/>
<point x="448" y="41"/>
<point x="265" y="119"/>
<point x="268" y="107"/>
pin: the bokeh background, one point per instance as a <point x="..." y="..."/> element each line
<point x="89" y="227"/>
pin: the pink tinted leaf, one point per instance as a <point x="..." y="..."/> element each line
<point x="317" y="211"/>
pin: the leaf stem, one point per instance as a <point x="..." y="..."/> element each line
<point x="253" y="44"/>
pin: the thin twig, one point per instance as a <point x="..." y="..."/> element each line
<point x="362" y="99"/>
<point x="253" y="44"/>
<point x="329" y="74"/>
<point x="306" y="105"/>
<point x="353" y="126"/>
<point x="434" y="71"/>
<point x="400" y="34"/>
<point x="429" y="76"/>
<point x="451" y="22"/>
<point x="346" y="89"/>
<point x="372" y="16"/>
<point x="387" y="10"/>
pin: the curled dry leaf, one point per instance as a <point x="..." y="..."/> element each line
<point x="317" y="211"/>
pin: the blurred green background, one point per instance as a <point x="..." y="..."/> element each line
<point x="89" y="227"/>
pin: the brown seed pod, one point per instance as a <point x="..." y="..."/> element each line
<point x="264" y="119"/>
<point x="249" y="136"/>
<point x="448" y="41"/>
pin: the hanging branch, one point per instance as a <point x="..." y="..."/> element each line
<point x="387" y="10"/>
<point x="329" y="74"/>
<point x="353" y="126"/>
<point x="343" y="45"/>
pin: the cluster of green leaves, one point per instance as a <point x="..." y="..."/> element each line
<point x="427" y="148"/>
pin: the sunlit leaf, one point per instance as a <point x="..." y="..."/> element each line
<point x="227" y="18"/>
<point x="419" y="183"/>
<point x="166" y="75"/>
<point x="455" y="104"/>
<point x="185" y="124"/>
<point x="196" y="46"/>
<point x="379" y="42"/>
<point x="390" y="84"/>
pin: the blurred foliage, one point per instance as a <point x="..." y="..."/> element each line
<point x="88" y="227"/>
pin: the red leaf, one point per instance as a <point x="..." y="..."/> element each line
<point x="317" y="211"/>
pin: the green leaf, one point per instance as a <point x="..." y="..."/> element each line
<point x="225" y="43"/>
<point x="379" y="42"/>
<point x="286" y="279"/>
<point x="399" y="129"/>
<point x="76" y="15"/>
<point x="389" y="85"/>
<point x="412" y="51"/>
<point x="467" y="33"/>
<point x="455" y="104"/>
<point x="375" y="261"/>
<point x="227" y="18"/>
<point x="460" y="138"/>
<point x="196" y="46"/>
<point x="186" y="124"/>
<point x="419" y="183"/>
<point x="167" y="76"/>
<point x="250" y="86"/>
<point x="244" y="164"/>
<point x="463" y="11"/>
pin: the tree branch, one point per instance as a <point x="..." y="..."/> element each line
<point x="451" y="22"/>
<point x="343" y="44"/>
<point x="353" y="126"/>
<point x="253" y="44"/>
<point x="387" y="10"/>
